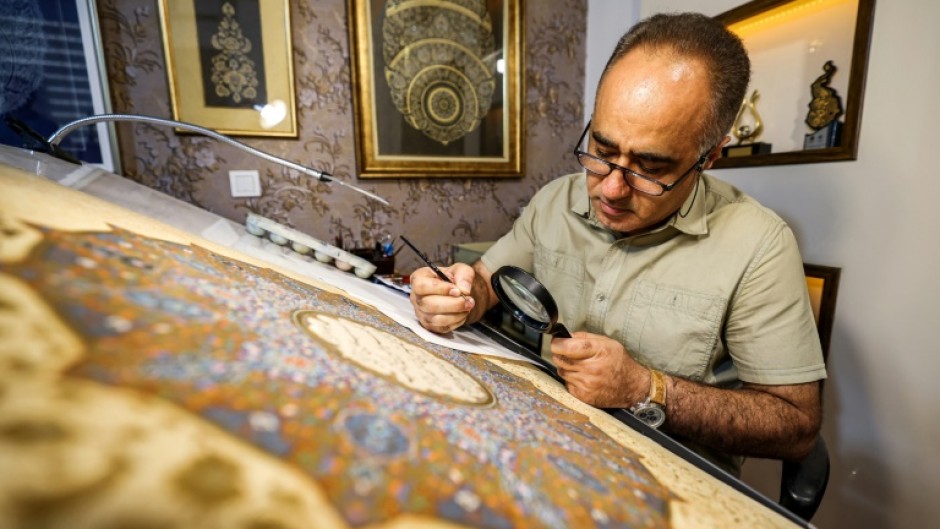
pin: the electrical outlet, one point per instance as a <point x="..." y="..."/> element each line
<point x="245" y="183"/>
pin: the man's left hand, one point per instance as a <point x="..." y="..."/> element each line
<point x="598" y="370"/>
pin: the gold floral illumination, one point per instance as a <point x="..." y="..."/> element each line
<point x="233" y="72"/>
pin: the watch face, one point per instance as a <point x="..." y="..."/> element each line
<point x="652" y="414"/>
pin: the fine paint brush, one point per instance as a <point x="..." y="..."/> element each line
<point x="427" y="261"/>
<point x="432" y="266"/>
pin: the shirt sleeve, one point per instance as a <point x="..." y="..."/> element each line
<point x="771" y="332"/>
<point x="517" y="247"/>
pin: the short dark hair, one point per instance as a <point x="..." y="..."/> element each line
<point x="704" y="38"/>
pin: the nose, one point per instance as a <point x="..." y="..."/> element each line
<point x="615" y="185"/>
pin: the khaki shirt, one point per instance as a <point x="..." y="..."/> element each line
<point x="715" y="297"/>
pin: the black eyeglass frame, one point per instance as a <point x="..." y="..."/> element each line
<point x="624" y="171"/>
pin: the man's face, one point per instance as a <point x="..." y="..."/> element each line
<point x="649" y="117"/>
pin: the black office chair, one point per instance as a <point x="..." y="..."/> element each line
<point x="804" y="482"/>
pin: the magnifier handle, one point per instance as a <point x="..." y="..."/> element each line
<point x="559" y="331"/>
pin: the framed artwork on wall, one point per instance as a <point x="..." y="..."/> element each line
<point x="230" y="65"/>
<point x="438" y="88"/>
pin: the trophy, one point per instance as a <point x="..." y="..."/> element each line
<point x="747" y="133"/>
<point x="824" y="111"/>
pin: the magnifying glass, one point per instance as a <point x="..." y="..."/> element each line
<point x="528" y="300"/>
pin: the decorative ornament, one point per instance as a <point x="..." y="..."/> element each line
<point x="440" y="64"/>
<point x="743" y="132"/>
<point x="233" y="73"/>
<point x="826" y="105"/>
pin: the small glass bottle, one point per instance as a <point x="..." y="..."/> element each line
<point x="388" y="244"/>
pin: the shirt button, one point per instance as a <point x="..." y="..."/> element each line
<point x="601" y="298"/>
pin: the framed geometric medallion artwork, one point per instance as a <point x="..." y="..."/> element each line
<point x="437" y="87"/>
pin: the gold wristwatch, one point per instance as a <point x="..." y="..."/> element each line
<point x="652" y="411"/>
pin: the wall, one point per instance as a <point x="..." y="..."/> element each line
<point x="876" y="218"/>
<point x="433" y="212"/>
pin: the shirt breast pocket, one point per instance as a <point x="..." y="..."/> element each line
<point x="563" y="276"/>
<point x="673" y="329"/>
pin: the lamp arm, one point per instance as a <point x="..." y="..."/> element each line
<point x="322" y="176"/>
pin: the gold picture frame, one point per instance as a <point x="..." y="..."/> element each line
<point x="438" y="88"/>
<point x="229" y="65"/>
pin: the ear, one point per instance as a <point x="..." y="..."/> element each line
<point x="715" y="153"/>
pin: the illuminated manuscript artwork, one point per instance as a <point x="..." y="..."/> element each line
<point x="233" y="71"/>
<point x="221" y="339"/>
<point x="441" y="64"/>
<point x="149" y="378"/>
<point x="386" y="355"/>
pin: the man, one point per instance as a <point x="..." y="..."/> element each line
<point x="669" y="275"/>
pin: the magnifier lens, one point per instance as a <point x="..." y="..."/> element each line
<point x="525" y="301"/>
<point x="529" y="302"/>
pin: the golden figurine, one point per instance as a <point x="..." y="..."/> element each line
<point x="824" y="111"/>
<point x="748" y="133"/>
<point x="826" y="106"/>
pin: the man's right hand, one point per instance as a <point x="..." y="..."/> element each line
<point x="443" y="306"/>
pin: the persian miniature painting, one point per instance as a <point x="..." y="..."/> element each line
<point x="146" y="378"/>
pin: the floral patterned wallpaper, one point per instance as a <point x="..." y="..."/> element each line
<point x="434" y="213"/>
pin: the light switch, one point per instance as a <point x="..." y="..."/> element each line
<point x="245" y="183"/>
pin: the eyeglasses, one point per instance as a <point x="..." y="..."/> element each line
<point x="642" y="183"/>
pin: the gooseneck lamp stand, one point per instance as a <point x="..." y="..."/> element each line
<point x="322" y="176"/>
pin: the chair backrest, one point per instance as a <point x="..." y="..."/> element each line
<point x="822" y="282"/>
<point x="803" y="483"/>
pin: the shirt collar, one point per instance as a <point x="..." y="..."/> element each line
<point x="695" y="222"/>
